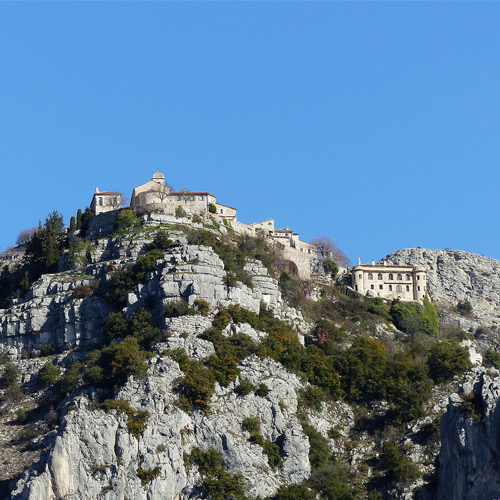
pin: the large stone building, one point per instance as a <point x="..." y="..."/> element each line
<point x="408" y="283"/>
<point x="105" y="201"/>
<point x="157" y="195"/>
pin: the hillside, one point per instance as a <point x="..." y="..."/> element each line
<point x="171" y="358"/>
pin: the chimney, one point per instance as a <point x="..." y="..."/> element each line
<point x="359" y="261"/>
<point x="385" y="262"/>
<point x="185" y="190"/>
<point x="96" y="189"/>
<point x="373" y="262"/>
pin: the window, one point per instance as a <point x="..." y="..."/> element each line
<point x="418" y="288"/>
<point x="399" y="289"/>
<point x="372" y="287"/>
<point x="391" y="277"/>
<point x="360" y="276"/>
<point x="390" y="288"/>
<point x="370" y="276"/>
<point x="407" y="288"/>
<point x="400" y="277"/>
<point x="356" y="288"/>
<point x="381" y="287"/>
<point x="418" y="276"/>
<point x="408" y="277"/>
<point x="379" y="276"/>
<point x="100" y="201"/>
<point x="221" y="210"/>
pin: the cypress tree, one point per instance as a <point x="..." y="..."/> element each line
<point x="26" y="281"/>
<point x="72" y="225"/>
<point x="79" y="219"/>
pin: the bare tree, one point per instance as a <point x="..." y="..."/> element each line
<point x="117" y="201"/>
<point x="161" y="192"/>
<point x="124" y="201"/>
<point x="26" y="236"/>
<point x="329" y="250"/>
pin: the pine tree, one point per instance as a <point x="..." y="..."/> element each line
<point x="72" y="225"/>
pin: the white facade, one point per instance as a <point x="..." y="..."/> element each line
<point x="408" y="283"/>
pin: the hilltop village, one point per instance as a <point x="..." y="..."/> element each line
<point x="403" y="282"/>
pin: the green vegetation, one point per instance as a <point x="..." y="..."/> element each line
<point x="411" y="317"/>
<point x="180" y="212"/>
<point x="397" y="465"/>
<point x="245" y="387"/>
<point x="113" y="365"/>
<point x="446" y="360"/>
<point x="126" y="219"/>
<point x="123" y="281"/>
<point x="197" y="386"/>
<point x="136" y="420"/>
<point x="10" y="376"/>
<point x="312" y="397"/>
<point x="212" y="208"/>
<point x="493" y="357"/>
<point x="272" y="450"/>
<point x="81" y="252"/>
<point x="217" y="484"/>
<point x="472" y="404"/>
<point x="235" y="254"/>
<point x="48" y="374"/>
<point x="464" y="307"/>
<point x="179" y="308"/>
<point x="262" y="390"/>
<point x="147" y="475"/>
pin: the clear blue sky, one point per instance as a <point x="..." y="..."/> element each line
<point x="374" y="123"/>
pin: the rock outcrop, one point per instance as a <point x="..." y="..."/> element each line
<point x="95" y="456"/>
<point x="469" y="460"/>
<point x="50" y="313"/>
<point x="455" y="275"/>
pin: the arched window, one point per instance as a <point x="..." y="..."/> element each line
<point x="360" y="277"/>
<point x="390" y="288"/>
<point x="379" y="277"/>
<point x="407" y="288"/>
<point x="391" y="277"/>
<point x="381" y="287"/>
<point x="372" y="287"/>
<point x="408" y="277"/>
<point x="399" y="289"/>
<point x="400" y="277"/>
<point x="370" y="276"/>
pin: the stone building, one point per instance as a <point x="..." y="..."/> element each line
<point x="105" y="201"/>
<point x="389" y="281"/>
<point x="285" y="236"/>
<point x="153" y="192"/>
<point x="157" y="195"/>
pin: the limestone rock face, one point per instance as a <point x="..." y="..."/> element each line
<point x="95" y="456"/>
<point x="469" y="461"/>
<point x="455" y="275"/>
<point x="49" y="314"/>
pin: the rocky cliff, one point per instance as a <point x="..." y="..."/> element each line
<point x="284" y="417"/>
<point x="469" y="461"/>
<point x="455" y="275"/>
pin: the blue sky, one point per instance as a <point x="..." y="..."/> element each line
<point x="374" y="123"/>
